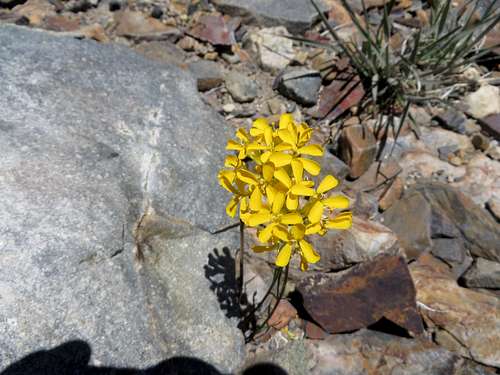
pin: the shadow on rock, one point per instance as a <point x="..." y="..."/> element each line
<point x="221" y="272"/>
<point x="72" y="358"/>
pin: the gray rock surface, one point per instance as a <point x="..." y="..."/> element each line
<point x="295" y="15"/>
<point x="483" y="274"/>
<point x="242" y="88"/>
<point x="301" y="85"/>
<point x="437" y="211"/>
<point x="106" y="157"/>
<point x="208" y="74"/>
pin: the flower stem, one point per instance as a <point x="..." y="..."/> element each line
<point x="242" y="257"/>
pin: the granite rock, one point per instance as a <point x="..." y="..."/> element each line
<point x="108" y="190"/>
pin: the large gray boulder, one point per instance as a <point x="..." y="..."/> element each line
<point x="108" y="192"/>
<point x="296" y="15"/>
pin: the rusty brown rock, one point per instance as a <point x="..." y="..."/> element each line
<point x="135" y="25"/>
<point x="471" y="319"/>
<point x="61" y="23"/>
<point x="314" y="331"/>
<point x="358" y="148"/>
<point x="391" y="194"/>
<point x="362" y="295"/>
<point x="215" y="30"/>
<point x="282" y="315"/>
<point x="338" y="97"/>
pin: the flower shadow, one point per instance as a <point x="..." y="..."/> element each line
<point x="221" y="273"/>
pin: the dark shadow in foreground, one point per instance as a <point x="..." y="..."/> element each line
<point x="72" y="358"/>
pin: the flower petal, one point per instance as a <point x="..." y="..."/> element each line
<point x="303" y="190"/>
<point x="336" y="202"/>
<point x="313" y="228"/>
<point x="268" y="172"/>
<point x="292" y="202"/>
<point x="231" y="161"/>
<point x="291" y="218"/>
<point x="226" y="184"/>
<point x="266" y="233"/>
<point x="313" y="150"/>
<point x="242" y="134"/>
<point x="316" y="212"/>
<point x="342" y="221"/>
<point x="256" y="200"/>
<point x="328" y="183"/>
<point x="265" y="156"/>
<point x="310" y="255"/>
<point x="280" y="159"/>
<point x="283" y="177"/>
<point x="298" y="170"/>
<point x="283" y="147"/>
<point x="284" y="256"/>
<point x="278" y="202"/>
<point x="233" y="145"/>
<point x="298" y="231"/>
<point x="256" y="147"/>
<point x="247" y="177"/>
<point x="285" y="119"/>
<point x="268" y="135"/>
<point x="311" y="166"/>
<point x="270" y="193"/>
<point x="259" y="218"/>
<point x="286" y="136"/>
<point x="281" y="232"/>
<point x="232" y="207"/>
<point x="260" y="123"/>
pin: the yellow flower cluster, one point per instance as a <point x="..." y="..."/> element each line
<point x="267" y="178"/>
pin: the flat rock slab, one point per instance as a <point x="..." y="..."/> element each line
<point x="363" y="295"/>
<point x="296" y="15"/>
<point x="104" y="161"/>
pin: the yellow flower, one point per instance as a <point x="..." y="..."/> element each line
<point x="268" y="182"/>
<point x="243" y="144"/>
<point x="318" y="201"/>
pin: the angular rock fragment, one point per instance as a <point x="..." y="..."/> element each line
<point x="362" y="295"/>
<point x="436" y="210"/>
<point x="242" y="88"/>
<point x="372" y="352"/>
<point x="491" y="125"/>
<point x="296" y="15"/>
<point x="272" y="47"/>
<point x="363" y="242"/>
<point x="208" y="74"/>
<point x="483" y="274"/>
<point x="135" y="25"/>
<point x="213" y="29"/>
<point x="338" y="97"/>
<point x="358" y="149"/>
<point x="453" y="120"/>
<point x="484" y="102"/>
<point x="301" y="85"/>
<point x="472" y="319"/>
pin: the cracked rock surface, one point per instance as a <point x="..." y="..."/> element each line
<point x="103" y="159"/>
